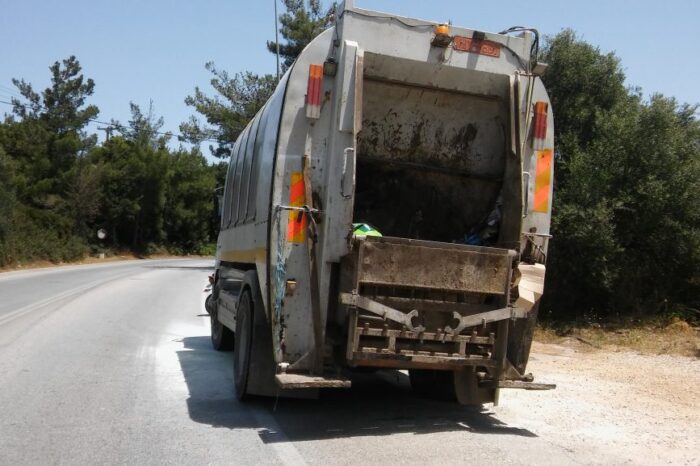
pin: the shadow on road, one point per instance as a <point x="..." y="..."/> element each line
<point x="377" y="404"/>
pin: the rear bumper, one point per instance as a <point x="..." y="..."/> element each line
<point x="426" y="305"/>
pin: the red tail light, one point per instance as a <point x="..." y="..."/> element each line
<point x="313" y="91"/>
<point x="540" y="125"/>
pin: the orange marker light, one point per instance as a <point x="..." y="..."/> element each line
<point x="442" y="29"/>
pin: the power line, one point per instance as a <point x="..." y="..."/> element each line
<point x="119" y="127"/>
<point x="10" y="91"/>
<point x="277" y="44"/>
<point x="4" y="95"/>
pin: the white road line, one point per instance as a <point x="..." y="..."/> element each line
<point x="52" y="299"/>
<point x="14" y="274"/>
<point x="285" y="450"/>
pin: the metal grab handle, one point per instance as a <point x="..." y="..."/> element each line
<point x="526" y="197"/>
<point x="345" y="168"/>
<point x="383" y="311"/>
<point x="484" y="318"/>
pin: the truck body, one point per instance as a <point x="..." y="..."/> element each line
<point x="438" y="138"/>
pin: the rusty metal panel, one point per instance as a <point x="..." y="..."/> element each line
<point x="412" y="264"/>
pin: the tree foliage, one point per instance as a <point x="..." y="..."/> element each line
<point x="49" y="131"/>
<point x="239" y="96"/>
<point x="299" y="25"/>
<point x="626" y="221"/>
<point x="238" y="99"/>
<point x="57" y="186"/>
<point x="62" y="105"/>
<point x="144" y="129"/>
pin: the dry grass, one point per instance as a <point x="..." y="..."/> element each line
<point x="678" y="337"/>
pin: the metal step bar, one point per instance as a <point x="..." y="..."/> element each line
<point x="290" y="380"/>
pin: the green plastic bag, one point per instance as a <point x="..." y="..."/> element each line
<point x="363" y="229"/>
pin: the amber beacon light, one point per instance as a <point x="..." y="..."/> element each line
<point x="442" y="36"/>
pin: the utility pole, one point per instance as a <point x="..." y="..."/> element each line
<point x="277" y="43"/>
<point x="108" y="131"/>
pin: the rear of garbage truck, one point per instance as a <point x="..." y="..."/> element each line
<point x="409" y="209"/>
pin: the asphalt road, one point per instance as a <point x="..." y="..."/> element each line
<point x="111" y="364"/>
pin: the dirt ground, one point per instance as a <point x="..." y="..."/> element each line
<point x="676" y="337"/>
<point x="612" y="407"/>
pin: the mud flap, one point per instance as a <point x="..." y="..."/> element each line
<point x="520" y="335"/>
<point x="261" y="372"/>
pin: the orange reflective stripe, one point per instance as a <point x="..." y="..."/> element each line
<point x="543" y="180"/>
<point x="296" y="192"/>
<point x="296" y="224"/>
<point x="296" y="227"/>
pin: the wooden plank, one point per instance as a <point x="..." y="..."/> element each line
<point x="417" y="361"/>
<point x="289" y="381"/>
<point x="522" y="385"/>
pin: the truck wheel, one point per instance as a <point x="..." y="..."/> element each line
<point x="222" y="338"/>
<point x="461" y="386"/>
<point x="210" y="304"/>
<point x="243" y="344"/>
<point x="467" y="390"/>
<point x="520" y="335"/>
<point x="436" y="385"/>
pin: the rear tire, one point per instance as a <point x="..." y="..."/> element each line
<point x="520" y="335"/>
<point x="467" y="389"/>
<point x="222" y="339"/>
<point x="435" y="385"/>
<point x="243" y="345"/>
<point x="461" y="386"/>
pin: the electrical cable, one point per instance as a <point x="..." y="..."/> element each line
<point x="534" y="48"/>
<point x="388" y="17"/>
<point x="10" y="91"/>
<point x="534" y="53"/>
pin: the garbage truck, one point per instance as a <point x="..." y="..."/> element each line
<point x="388" y="208"/>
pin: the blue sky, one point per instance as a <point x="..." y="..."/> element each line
<point x="156" y="49"/>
